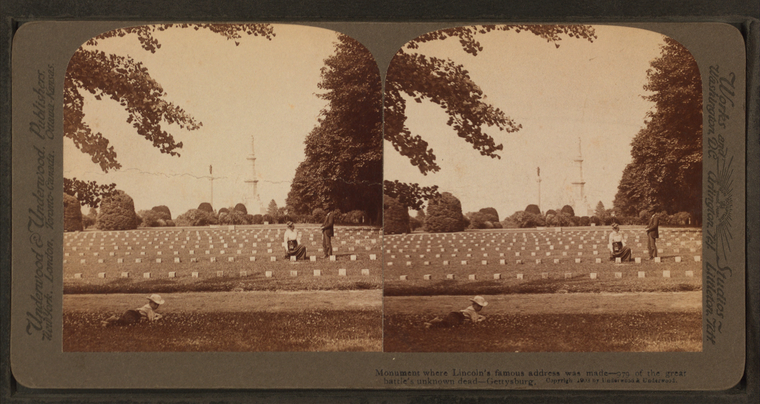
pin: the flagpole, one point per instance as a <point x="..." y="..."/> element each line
<point x="210" y="171"/>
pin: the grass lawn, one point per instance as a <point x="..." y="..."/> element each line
<point x="618" y="332"/>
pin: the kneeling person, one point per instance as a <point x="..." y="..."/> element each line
<point x="292" y="243"/>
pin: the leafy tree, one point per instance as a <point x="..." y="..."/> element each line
<point x="318" y="215"/>
<point x="666" y="167"/>
<point x="272" y="210"/>
<point x="72" y="214"/>
<point x="117" y="212"/>
<point x="449" y="85"/>
<point x="420" y="215"/>
<point x="88" y="193"/>
<point x="395" y="217"/>
<point x="444" y="214"/>
<point x="599" y="211"/>
<point x="90" y="219"/>
<point x="128" y="82"/>
<point x="410" y="195"/>
<point x="343" y="165"/>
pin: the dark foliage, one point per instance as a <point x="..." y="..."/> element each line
<point x="395" y="217"/>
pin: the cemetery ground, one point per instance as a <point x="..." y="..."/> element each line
<point x="226" y="289"/>
<point x="548" y="291"/>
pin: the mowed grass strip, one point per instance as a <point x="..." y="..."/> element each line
<point x="317" y="330"/>
<point x="616" y="332"/>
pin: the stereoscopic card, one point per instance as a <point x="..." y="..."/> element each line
<point x="398" y="206"/>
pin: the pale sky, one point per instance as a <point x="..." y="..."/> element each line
<point x="260" y="88"/>
<point x="267" y="89"/>
<point x="590" y="91"/>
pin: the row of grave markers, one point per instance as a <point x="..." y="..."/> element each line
<point x="545" y="275"/>
<point x="637" y="260"/>
<point x="268" y="274"/>
<point x="177" y="260"/>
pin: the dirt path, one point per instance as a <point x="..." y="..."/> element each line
<point x="552" y="303"/>
<point x="231" y="301"/>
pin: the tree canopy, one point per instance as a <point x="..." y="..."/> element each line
<point x="666" y="168"/>
<point x="128" y="82"/>
<point x="343" y="168"/>
<point x="449" y="85"/>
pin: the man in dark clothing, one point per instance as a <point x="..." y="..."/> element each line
<point x="327" y="233"/>
<point x="653" y="234"/>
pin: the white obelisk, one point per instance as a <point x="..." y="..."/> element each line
<point x="579" y="198"/>
<point x="254" y="202"/>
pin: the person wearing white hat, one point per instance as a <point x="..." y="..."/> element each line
<point x="292" y="243"/>
<point x="455" y="318"/>
<point x="133" y="316"/>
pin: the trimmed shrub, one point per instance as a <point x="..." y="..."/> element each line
<point x="72" y="214"/>
<point x="257" y="219"/>
<point x="206" y="207"/>
<point x="497" y="225"/>
<point x="241" y="209"/>
<point x="151" y="218"/>
<point x="567" y="210"/>
<point x="444" y="214"/>
<point x="492" y="213"/>
<point x="478" y="220"/>
<point x="596" y="220"/>
<point x="395" y="216"/>
<point x="522" y="219"/>
<point x="551" y="212"/>
<point x="533" y="209"/>
<point x="232" y="217"/>
<point x="163" y="211"/>
<point x="268" y="219"/>
<point x="558" y="220"/>
<point x="117" y="212"/>
<point x="196" y="217"/>
<point x="584" y="221"/>
<point x="223" y="210"/>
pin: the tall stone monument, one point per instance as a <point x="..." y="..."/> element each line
<point x="252" y="200"/>
<point x="580" y="204"/>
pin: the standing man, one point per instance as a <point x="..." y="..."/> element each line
<point x="327" y="233"/>
<point x="653" y="234"/>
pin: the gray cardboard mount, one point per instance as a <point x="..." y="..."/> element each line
<point x="41" y="52"/>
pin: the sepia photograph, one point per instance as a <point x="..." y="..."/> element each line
<point x="542" y="191"/>
<point x="222" y="191"/>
